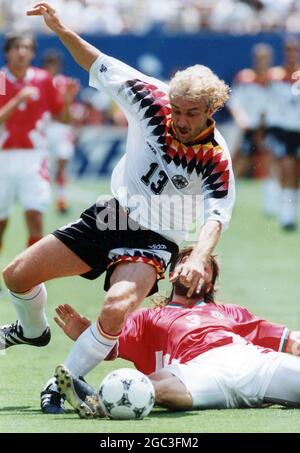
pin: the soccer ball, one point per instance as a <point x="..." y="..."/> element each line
<point x="127" y="394"/>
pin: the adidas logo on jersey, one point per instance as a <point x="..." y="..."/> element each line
<point x="158" y="246"/>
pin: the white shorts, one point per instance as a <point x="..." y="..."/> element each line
<point x="24" y="176"/>
<point x="236" y="375"/>
<point x="60" y="140"/>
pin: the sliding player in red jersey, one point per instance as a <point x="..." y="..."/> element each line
<point x="198" y="353"/>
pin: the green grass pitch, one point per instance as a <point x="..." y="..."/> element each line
<point x="260" y="269"/>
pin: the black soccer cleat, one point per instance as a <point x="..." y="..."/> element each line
<point x="52" y="401"/>
<point x="80" y="395"/>
<point x="12" y="335"/>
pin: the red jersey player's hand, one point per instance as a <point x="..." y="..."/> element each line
<point x="70" y="321"/>
<point x="49" y="14"/>
<point x="71" y="90"/>
<point x="191" y="274"/>
<point x="293" y="343"/>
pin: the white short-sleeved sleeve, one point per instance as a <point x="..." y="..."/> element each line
<point x="113" y="76"/>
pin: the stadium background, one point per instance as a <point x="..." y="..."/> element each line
<point x="260" y="262"/>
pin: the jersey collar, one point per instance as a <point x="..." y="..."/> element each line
<point x="13" y="79"/>
<point x="199" y="303"/>
<point x="200" y="137"/>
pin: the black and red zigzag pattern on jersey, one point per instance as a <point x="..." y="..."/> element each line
<point x="206" y="157"/>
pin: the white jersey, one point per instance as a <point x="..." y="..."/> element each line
<point x="283" y="106"/>
<point x="166" y="185"/>
<point x="250" y="97"/>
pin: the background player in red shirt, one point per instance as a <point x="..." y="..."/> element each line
<point x="29" y="101"/>
<point x="60" y="135"/>
<point x="199" y="353"/>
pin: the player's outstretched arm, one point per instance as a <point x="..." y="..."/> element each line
<point x="83" y="53"/>
<point x="70" y="321"/>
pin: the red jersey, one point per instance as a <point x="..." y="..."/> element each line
<point x="25" y="128"/>
<point x="153" y="338"/>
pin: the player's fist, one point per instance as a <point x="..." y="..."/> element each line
<point x="28" y="93"/>
<point x="71" y="90"/>
<point x="49" y="14"/>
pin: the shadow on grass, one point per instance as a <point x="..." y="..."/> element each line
<point x="20" y="410"/>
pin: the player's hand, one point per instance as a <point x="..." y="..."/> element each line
<point x="28" y="93"/>
<point x="71" y="90"/>
<point x="293" y="343"/>
<point x="191" y="274"/>
<point x="49" y="14"/>
<point x="70" y="321"/>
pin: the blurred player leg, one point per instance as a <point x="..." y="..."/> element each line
<point x="61" y="181"/>
<point x="270" y="184"/>
<point x="34" y="193"/>
<point x="8" y="187"/>
<point x="289" y="193"/>
<point x="34" y="221"/>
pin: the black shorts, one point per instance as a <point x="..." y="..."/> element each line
<point x="102" y="248"/>
<point x="248" y="145"/>
<point x="282" y="142"/>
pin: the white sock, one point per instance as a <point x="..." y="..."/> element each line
<point x="270" y="195"/>
<point x="288" y="207"/>
<point x="89" y="350"/>
<point x="30" y="310"/>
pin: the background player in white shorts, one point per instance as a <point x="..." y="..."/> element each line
<point x="176" y="170"/>
<point x="200" y="353"/>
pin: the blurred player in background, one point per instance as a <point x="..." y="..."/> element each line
<point x="60" y="135"/>
<point x="248" y="105"/>
<point x="199" y="353"/>
<point x="283" y="137"/>
<point x="174" y="155"/>
<point x="26" y="108"/>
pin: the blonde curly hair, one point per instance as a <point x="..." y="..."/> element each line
<point x="199" y="82"/>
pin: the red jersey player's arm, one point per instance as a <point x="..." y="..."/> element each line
<point x="8" y="108"/>
<point x="293" y="343"/>
<point x="257" y="330"/>
<point x="83" y="53"/>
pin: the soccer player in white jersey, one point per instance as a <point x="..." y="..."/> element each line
<point x="248" y="105"/>
<point x="174" y="153"/>
<point x="283" y="135"/>
<point x="199" y="353"/>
